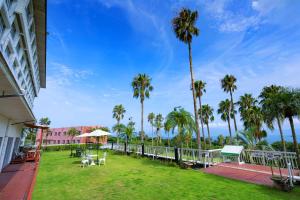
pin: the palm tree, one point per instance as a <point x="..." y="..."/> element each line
<point x="128" y="131"/>
<point x="228" y="85"/>
<point x="158" y="123"/>
<point x="288" y="101"/>
<point x="225" y="111"/>
<point x="200" y="89"/>
<point x="247" y="137"/>
<point x="246" y="102"/>
<point x="151" y="117"/>
<point x="142" y="87"/>
<point x="270" y="109"/>
<point x="118" y="114"/>
<point x="167" y="127"/>
<point x="207" y="116"/>
<point x="44" y="121"/>
<point x="255" y="120"/>
<point x="118" y="128"/>
<point x="182" y="121"/>
<point x="72" y="132"/>
<point x="184" y="29"/>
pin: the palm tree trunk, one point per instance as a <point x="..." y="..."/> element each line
<point x="194" y="99"/>
<point x="118" y="122"/>
<point x="201" y="120"/>
<point x="281" y="134"/>
<point x="142" y="121"/>
<point x="294" y="138"/>
<point x="168" y="140"/>
<point x="208" y="134"/>
<point x="152" y="135"/>
<point x="232" y="107"/>
<point x="229" y="128"/>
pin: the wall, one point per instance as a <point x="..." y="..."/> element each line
<point x="8" y="134"/>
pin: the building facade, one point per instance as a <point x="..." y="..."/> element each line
<point x="60" y="136"/>
<point x="22" y="68"/>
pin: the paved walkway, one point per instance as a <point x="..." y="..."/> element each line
<point x="257" y="174"/>
<point x="15" y="181"/>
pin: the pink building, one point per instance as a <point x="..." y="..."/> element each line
<point x="59" y="135"/>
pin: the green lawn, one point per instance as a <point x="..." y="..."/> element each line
<point x="123" y="177"/>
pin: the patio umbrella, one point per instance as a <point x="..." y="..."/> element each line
<point x="98" y="133"/>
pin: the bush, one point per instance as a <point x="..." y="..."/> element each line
<point x="69" y="146"/>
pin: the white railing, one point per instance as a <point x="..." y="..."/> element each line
<point x="260" y="157"/>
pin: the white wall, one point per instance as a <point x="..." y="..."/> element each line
<point x="7" y="130"/>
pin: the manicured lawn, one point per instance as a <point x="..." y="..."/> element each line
<point x="123" y="177"/>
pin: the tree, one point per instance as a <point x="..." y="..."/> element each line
<point x="72" y="132"/>
<point x="270" y="109"/>
<point x="118" y="114"/>
<point x="220" y="140"/>
<point x="247" y="137"/>
<point x="182" y="121"/>
<point x="225" y="111"/>
<point x="158" y="123"/>
<point x="46" y="122"/>
<point x="246" y="103"/>
<point x="200" y="89"/>
<point x="142" y="87"/>
<point x="207" y="116"/>
<point x="128" y="131"/>
<point x="151" y="117"/>
<point x="288" y="101"/>
<point x="167" y="127"/>
<point x="184" y="29"/>
<point x="228" y="85"/>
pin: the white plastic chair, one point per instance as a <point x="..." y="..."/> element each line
<point x="102" y="160"/>
<point x="84" y="162"/>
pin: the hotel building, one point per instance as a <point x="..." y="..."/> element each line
<point x="22" y="68"/>
<point x="60" y="136"/>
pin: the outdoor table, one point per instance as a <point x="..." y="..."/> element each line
<point x="90" y="158"/>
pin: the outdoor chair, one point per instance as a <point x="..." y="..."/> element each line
<point x="84" y="162"/>
<point x="102" y="160"/>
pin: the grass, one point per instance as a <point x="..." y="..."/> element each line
<point x="124" y="177"/>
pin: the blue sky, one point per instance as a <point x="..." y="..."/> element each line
<point x="96" y="47"/>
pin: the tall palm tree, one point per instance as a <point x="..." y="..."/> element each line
<point x="158" y="123"/>
<point x="255" y="119"/>
<point x="182" y="121"/>
<point x="167" y="127"/>
<point x="151" y="117"/>
<point x="184" y="29"/>
<point x="225" y="111"/>
<point x="228" y="85"/>
<point x="72" y="132"/>
<point x="142" y="87"/>
<point x="200" y="89"/>
<point x="118" y="114"/>
<point x="207" y="116"/>
<point x="288" y="101"/>
<point x="270" y="109"/>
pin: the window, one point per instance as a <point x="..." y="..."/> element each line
<point x="8" y="51"/>
<point x="2" y="25"/>
<point x="65" y="133"/>
<point x="58" y="133"/>
<point x="13" y="30"/>
<point x="78" y="141"/>
<point x="63" y="141"/>
<point x="9" y="3"/>
<point x="68" y="141"/>
<point x="58" y="141"/>
<point x="55" y="134"/>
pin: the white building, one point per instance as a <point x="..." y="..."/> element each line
<point x="22" y="68"/>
